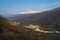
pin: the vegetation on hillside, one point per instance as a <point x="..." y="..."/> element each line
<point x="18" y="32"/>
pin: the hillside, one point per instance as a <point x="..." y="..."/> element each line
<point x="43" y="16"/>
<point x="18" y="32"/>
<point x="11" y="32"/>
<point x="18" y="17"/>
<point x="44" y="19"/>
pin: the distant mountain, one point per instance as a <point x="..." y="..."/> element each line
<point x="22" y="15"/>
<point x="44" y="19"/>
<point x="18" y="17"/>
<point x="51" y="16"/>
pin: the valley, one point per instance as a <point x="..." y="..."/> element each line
<point x="38" y="26"/>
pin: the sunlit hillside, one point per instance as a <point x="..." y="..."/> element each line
<point x="9" y="31"/>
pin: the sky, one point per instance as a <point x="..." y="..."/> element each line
<point x="11" y="7"/>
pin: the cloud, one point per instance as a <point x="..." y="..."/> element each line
<point x="40" y="8"/>
<point x="29" y="12"/>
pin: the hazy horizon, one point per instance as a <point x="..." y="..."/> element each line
<point x="13" y="7"/>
